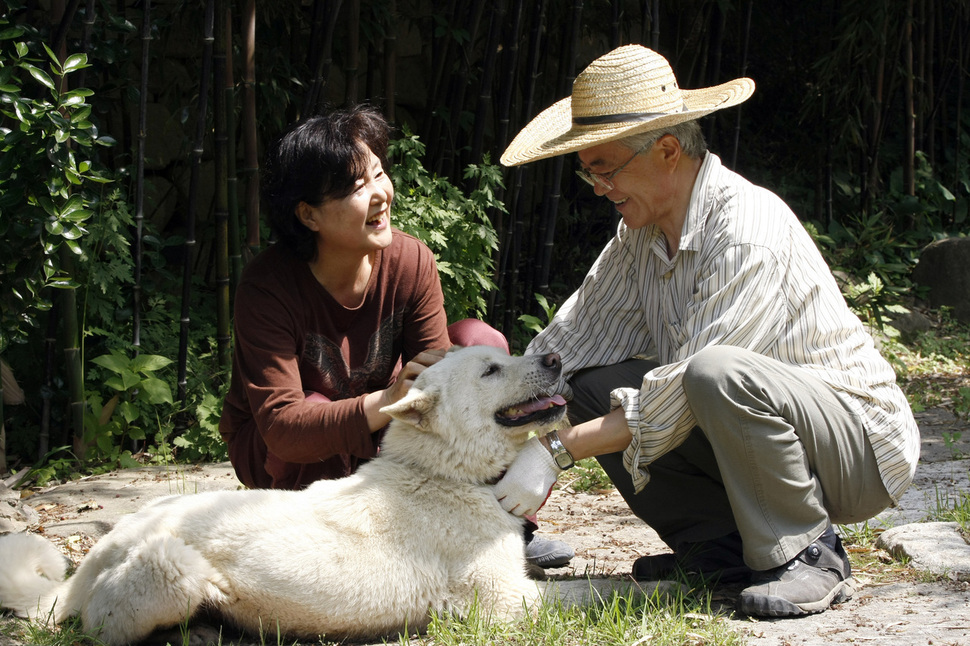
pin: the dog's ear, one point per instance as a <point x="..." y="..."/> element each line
<point x="414" y="408"/>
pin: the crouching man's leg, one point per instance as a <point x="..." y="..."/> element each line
<point x="684" y="502"/>
<point x="794" y="460"/>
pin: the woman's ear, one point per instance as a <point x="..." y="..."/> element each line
<point x="305" y="214"/>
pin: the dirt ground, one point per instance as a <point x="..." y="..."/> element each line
<point x="893" y="603"/>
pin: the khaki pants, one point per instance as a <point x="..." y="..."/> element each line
<point x="775" y="455"/>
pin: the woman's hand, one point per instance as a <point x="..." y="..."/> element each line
<point x="405" y="378"/>
<point x="409" y="373"/>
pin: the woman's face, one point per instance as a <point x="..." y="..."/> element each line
<point x="359" y="222"/>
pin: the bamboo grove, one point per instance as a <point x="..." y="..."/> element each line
<point x="859" y="122"/>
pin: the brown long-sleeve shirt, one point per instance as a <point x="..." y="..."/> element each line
<point x="292" y="337"/>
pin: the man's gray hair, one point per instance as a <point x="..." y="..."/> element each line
<point x="687" y="133"/>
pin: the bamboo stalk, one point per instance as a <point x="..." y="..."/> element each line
<point x="223" y="323"/>
<point x="352" y="69"/>
<point x="520" y="174"/>
<point x="548" y="228"/>
<point x="64" y="16"/>
<point x="390" y="64"/>
<point x="615" y="24"/>
<point x="484" y="104"/>
<point x="452" y="157"/>
<point x="47" y="392"/>
<point x="930" y="47"/>
<point x="74" y="368"/>
<point x="146" y="38"/>
<point x="68" y="296"/>
<point x="314" y="52"/>
<point x="909" y="116"/>
<point x="321" y="38"/>
<point x="250" y="148"/>
<point x="232" y="186"/>
<point x="189" y="246"/>
<point x="440" y="54"/>
<point x="510" y="60"/>
<point x="745" y="39"/>
<point x="963" y="61"/>
<point x="719" y="23"/>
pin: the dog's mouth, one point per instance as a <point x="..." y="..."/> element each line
<point x="532" y="410"/>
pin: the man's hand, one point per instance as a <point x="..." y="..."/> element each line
<point x="525" y="486"/>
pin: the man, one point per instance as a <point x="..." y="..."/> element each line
<point x="714" y="368"/>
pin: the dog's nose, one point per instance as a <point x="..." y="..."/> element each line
<point x="552" y="361"/>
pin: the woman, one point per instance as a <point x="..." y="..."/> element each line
<point x="337" y="319"/>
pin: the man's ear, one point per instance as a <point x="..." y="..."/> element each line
<point x="414" y="408"/>
<point x="670" y="147"/>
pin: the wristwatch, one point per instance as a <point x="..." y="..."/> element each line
<point x="559" y="453"/>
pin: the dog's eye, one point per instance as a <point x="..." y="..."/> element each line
<point x="490" y="369"/>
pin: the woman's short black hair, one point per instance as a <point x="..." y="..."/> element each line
<point x="317" y="158"/>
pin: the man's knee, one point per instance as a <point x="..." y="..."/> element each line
<point x="711" y="369"/>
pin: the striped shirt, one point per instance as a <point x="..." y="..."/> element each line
<point x="746" y="274"/>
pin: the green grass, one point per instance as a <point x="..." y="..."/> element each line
<point x="687" y="619"/>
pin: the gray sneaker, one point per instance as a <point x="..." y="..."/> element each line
<point x="548" y="554"/>
<point x="810" y="583"/>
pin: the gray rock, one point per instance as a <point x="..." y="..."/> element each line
<point x="944" y="268"/>
<point x="934" y="547"/>
<point x="911" y="324"/>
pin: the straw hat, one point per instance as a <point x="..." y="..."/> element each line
<point x="632" y="89"/>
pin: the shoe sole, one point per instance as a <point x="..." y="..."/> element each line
<point x="768" y="606"/>
<point x="551" y="563"/>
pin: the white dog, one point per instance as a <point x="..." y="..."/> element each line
<point x="415" y="531"/>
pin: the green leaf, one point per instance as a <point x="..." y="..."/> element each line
<point x="128" y="411"/>
<point x="11" y="32"/>
<point x="74" y="203"/>
<point x="51" y="55"/>
<point x="115" y="361"/>
<point x="116" y="383"/>
<point x="157" y="390"/>
<point x="75" y="62"/>
<point x="70" y="101"/>
<point x="104" y="442"/>
<point x="72" y="232"/>
<point x="63" y="283"/>
<point x="147" y="363"/>
<point x="39" y="75"/>
<point x="127" y="461"/>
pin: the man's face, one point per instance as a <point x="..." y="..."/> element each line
<point x="643" y="190"/>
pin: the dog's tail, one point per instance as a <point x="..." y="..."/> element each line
<point x="31" y="571"/>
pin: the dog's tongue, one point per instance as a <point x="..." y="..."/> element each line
<point x="541" y="404"/>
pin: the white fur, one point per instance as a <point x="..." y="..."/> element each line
<point x="413" y="531"/>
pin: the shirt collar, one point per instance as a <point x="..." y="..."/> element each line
<point x="701" y="203"/>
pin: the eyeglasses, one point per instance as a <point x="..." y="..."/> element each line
<point x="605" y="180"/>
